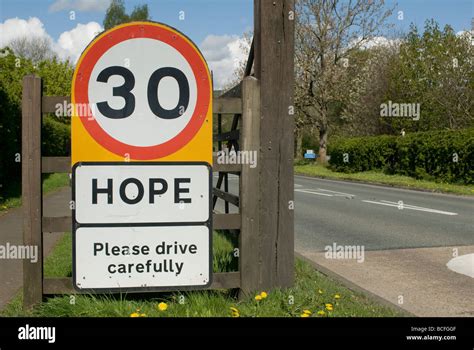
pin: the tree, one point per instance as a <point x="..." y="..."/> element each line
<point x="116" y="14"/>
<point x="140" y="13"/>
<point x="327" y="32"/>
<point x="369" y="83"/>
<point x="36" y="49"/>
<point x="435" y="69"/>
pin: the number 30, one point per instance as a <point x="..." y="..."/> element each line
<point x="124" y="91"/>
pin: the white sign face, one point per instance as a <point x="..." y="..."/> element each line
<point x="115" y="258"/>
<point x="131" y="193"/>
<point x="162" y="72"/>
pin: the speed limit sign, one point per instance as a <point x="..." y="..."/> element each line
<point x="142" y="91"/>
<point x="142" y="155"/>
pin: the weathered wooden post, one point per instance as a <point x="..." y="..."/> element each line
<point x="31" y="188"/>
<point x="250" y="188"/>
<point x="274" y="68"/>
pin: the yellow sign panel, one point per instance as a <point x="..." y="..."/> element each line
<point x="141" y="92"/>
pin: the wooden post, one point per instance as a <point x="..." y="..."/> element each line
<point x="274" y="68"/>
<point x="31" y="188"/>
<point x="249" y="183"/>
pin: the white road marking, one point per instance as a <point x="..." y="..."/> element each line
<point x="404" y="205"/>
<point x="411" y="207"/>
<point x="320" y="194"/>
<point x="297" y="185"/>
<point x="337" y="193"/>
<point x="331" y="194"/>
<point x="463" y="264"/>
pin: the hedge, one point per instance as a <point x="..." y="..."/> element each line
<point x="56" y="138"/>
<point x="442" y="155"/>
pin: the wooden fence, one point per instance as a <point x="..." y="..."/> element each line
<point x="261" y="104"/>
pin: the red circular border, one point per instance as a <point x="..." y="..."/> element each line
<point x="170" y="37"/>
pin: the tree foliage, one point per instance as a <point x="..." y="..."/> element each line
<point x="435" y="69"/>
<point x="116" y="14"/>
<point x="327" y="33"/>
<point x="33" y="48"/>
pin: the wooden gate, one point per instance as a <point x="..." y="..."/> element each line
<point x="261" y="108"/>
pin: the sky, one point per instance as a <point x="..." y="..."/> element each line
<point x="216" y="26"/>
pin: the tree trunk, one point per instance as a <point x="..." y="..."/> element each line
<point x="299" y="145"/>
<point x="323" y="141"/>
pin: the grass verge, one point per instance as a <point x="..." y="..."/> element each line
<point x="51" y="182"/>
<point x="376" y="177"/>
<point x="312" y="291"/>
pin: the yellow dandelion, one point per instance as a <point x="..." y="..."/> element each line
<point x="234" y="312"/>
<point x="329" y="307"/>
<point x="258" y="297"/>
<point x="142" y="315"/>
<point x="263" y="295"/>
<point x="337" y="296"/>
<point x="305" y="315"/>
<point x="162" y="306"/>
<point x="307" y="312"/>
<point x="135" y="314"/>
<point x="321" y="313"/>
<point x="320" y="291"/>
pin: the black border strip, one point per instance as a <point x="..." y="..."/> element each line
<point x="76" y="225"/>
<point x="337" y="332"/>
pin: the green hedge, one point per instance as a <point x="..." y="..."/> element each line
<point x="55" y="138"/>
<point x="423" y="155"/>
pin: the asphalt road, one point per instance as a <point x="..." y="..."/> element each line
<point x="377" y="217"/>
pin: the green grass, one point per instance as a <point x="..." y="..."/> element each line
<point x="51" y="182"/>
<point x="55" y="181"/>
<point x="377" y="177"/>
<point x="59" y="262"/>
<point x="289" y="302"/>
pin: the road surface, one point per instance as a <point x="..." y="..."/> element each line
<point x="378" y="217"/>
<point x="409" y="240"/>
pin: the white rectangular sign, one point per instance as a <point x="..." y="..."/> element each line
<point x="114" y="258"/>
<point x="130" y="193"/>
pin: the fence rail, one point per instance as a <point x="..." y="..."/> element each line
<point x="63" y="165"/>
<point x="64" y="223"/>
<point x="224" y="105"/>
<point x="63" y="285"/>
